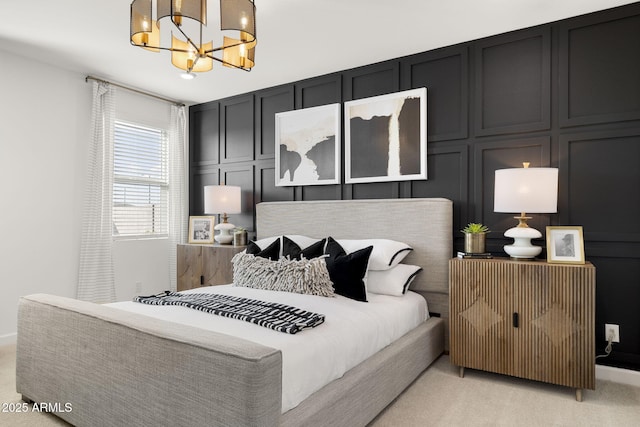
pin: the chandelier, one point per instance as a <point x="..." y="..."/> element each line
<point x="189" y="51"/>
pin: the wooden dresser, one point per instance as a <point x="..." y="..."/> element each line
<point x="528" y="319"/>
<point x="205" y="265"/>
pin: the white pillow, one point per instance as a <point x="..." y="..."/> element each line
<point x="394" y="281"/>
<point x="386" y="253"/>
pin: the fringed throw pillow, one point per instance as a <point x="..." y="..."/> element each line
<point x="298" y="276"/>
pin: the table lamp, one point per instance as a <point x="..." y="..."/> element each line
<point x="521" y="190"/>
<point x="222" y="199"/>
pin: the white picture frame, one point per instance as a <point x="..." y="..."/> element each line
<point x="201" y="229"/>
<point x="308" y="146"/>
<point x="386" y="137"/>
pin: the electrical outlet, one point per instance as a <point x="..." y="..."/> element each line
<point x="612" y="330"/>
<point x="138" y="287"/>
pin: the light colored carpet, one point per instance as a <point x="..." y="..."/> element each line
<point x="9" y="415"/>
<point x="440" y="398"/>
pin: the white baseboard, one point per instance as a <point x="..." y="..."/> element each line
<point x="8" y="339"/>
<point x="618" y="375"/>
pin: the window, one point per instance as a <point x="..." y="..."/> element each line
<point x="140" y="181"/>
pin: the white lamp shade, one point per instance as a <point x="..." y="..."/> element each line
<point x="222" y="199"/>
<point x="533" y="190"/>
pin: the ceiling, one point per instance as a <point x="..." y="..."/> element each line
<point x="297" y="39"/>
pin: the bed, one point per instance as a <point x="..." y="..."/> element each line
<point x="124" y="368"/>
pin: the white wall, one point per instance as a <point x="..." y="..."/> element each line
<point x="44" y="131"/>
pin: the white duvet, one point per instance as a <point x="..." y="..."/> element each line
<point x="352" y="332"/>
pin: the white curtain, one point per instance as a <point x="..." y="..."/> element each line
<point x="96" y="274"/>
<point x="177" y="188"/>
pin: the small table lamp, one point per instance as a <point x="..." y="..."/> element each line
<point x="222" y="199"/>
<point x="525" y="190"/>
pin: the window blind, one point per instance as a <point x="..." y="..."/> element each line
<point x="140" y="182"/>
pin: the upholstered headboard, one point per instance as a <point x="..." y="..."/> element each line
<point x="425" y="224"/>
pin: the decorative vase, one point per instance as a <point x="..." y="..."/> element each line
<point x="474" y="243"/>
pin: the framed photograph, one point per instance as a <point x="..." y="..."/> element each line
<point x="386" y="137"/>
<point x="565" y="244"/>
<point x="308" y="146"/>
<point x="201" y="229"/>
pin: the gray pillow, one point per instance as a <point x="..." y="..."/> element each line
<point x="298" y="276"/>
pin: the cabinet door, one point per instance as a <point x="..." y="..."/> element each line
<point x="481" y="315"/>
<point x="189" y="267"/>
<point x="555" y="340"/>
<point x="216" y="264"/>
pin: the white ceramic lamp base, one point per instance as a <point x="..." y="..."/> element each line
<point x="522" y="247"/>
<point x="224" y="237"/>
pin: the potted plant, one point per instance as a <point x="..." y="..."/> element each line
<point x="474" y="238"/>
<point x="239" y="236"/>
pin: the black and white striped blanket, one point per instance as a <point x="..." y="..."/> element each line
<point x="279" y="317"/>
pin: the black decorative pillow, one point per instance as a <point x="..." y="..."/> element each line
<point x="271" y="252"/>
<point x="293" y="250"/>
<point x="347" y="271"/>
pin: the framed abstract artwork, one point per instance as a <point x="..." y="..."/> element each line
<point x="386" y="137"/>
<point x="308" y="146"/>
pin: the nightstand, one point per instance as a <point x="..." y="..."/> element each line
<point x="528" y="319"/>
<point x="205" y="265"/>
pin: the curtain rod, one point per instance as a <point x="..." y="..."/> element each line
<point x="179" y="104"/>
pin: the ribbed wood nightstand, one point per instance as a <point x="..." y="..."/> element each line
<point x="528" y="319"/>
<point x="205" y="265"/>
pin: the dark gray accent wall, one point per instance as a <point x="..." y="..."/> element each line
<point x="564" y="94"/>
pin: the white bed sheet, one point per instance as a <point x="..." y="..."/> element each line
<point x="312" y="358"/>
